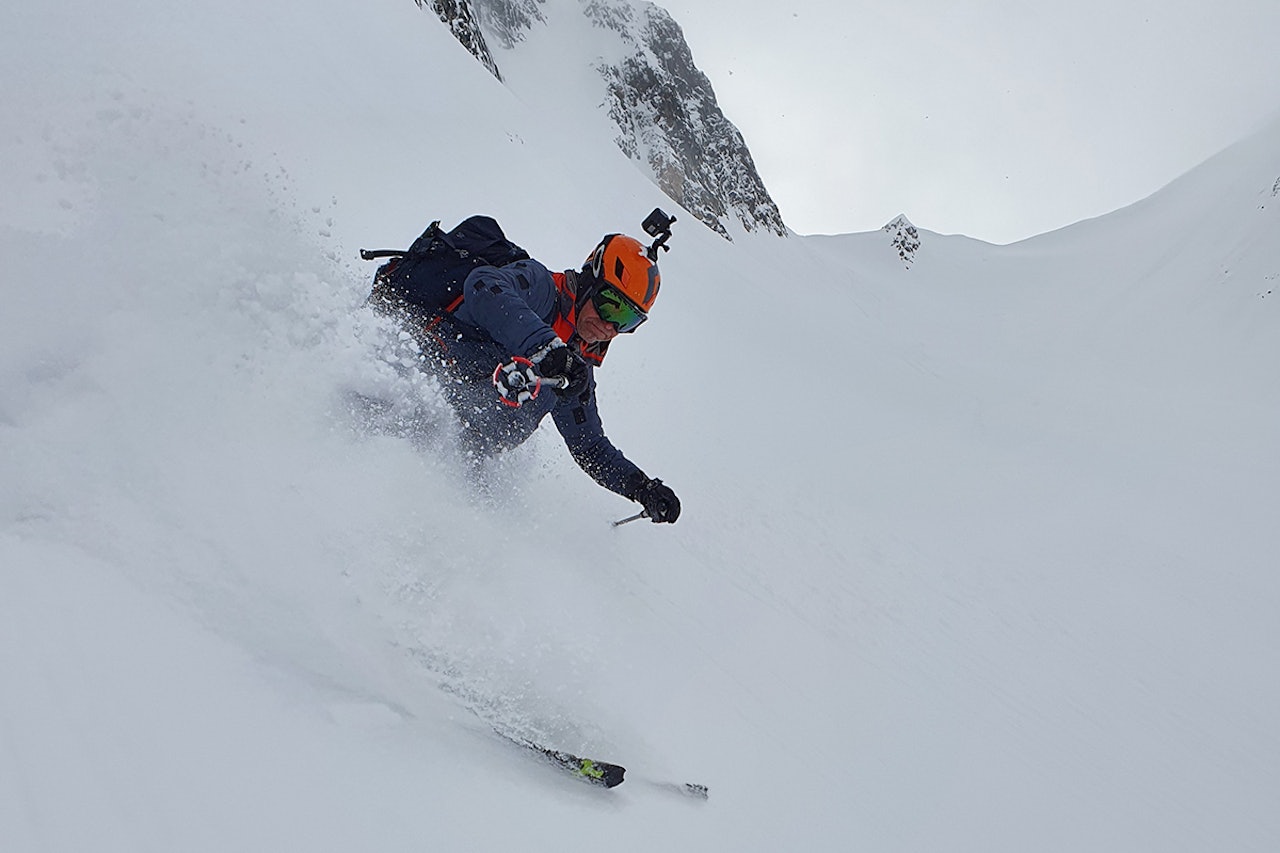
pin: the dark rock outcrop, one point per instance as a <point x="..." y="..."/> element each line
<point x="459" y="16"/>
<point x="905" y="239"/>
<point x="663" y="106"/>
<point x="668" y="119"/>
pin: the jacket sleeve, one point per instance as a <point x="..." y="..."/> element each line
<point x="509" y="304"/>
<point x="578" y="420"/>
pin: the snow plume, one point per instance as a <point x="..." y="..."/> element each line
<point x="179" y="362"/>
<point x="185" y="303"/>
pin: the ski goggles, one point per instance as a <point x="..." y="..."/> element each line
<point x="615" y="308"/>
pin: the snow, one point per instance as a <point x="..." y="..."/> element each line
<point x="976" y="555"/>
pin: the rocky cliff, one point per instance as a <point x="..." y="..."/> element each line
<point x="461" y="20"/>
<point x="664" y="108"/>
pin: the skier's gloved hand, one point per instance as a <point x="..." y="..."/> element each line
<point x="557" y="359"/>
<point x="659" y="502"/>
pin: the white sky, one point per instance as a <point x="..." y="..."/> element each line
<point x="999" y="119"/>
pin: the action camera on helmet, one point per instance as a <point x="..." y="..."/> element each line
<point x="658" y="224"/>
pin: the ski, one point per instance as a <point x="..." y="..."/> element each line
<point x="591" y="770"/>
<point x="603" y="773"/>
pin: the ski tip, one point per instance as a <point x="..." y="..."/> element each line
<point x="691" y="790"/>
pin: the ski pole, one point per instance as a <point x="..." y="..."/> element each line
<point x="644" y="513"/>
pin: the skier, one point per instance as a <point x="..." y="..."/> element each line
<point x="562" y="323"/>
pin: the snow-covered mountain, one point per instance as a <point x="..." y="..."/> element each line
<point x="976" y="554"/>
<point x="663" y="109"/>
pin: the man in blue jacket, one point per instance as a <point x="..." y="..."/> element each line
<point x="562" y="323"/>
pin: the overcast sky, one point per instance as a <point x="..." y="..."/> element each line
<point x="999" y="119"/>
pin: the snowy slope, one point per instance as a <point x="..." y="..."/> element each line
<point x="976" y="555"/>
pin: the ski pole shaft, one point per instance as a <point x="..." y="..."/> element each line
<point x="644" y="513"/>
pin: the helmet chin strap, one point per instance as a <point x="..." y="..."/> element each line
<point x="581" y="284"/>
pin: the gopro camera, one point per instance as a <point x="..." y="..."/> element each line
<point x="658" y="225"/>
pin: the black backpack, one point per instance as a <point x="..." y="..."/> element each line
<point x="430" y="272"/>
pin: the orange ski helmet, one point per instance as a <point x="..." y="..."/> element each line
<point x="622" y="262"/>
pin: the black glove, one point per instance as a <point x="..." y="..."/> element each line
<point x="556" y="359"/>
<point x="658" y="501"/>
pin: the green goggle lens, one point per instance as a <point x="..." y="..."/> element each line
<point x="618" y="310"/>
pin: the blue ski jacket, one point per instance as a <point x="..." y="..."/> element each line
<point x="518" y="309"/>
